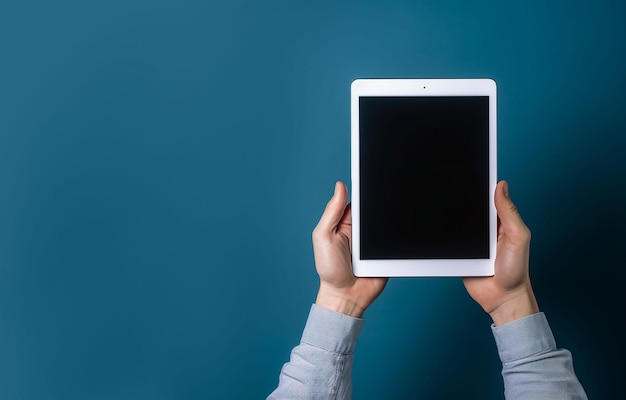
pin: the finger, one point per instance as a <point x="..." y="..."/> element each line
<point x="345" y="224"/>
<point x="334" y="209"/>
<point x="508" y="214"/>
<point x="346" y="218"/>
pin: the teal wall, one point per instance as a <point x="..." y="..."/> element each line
<point x="162" y="164"/>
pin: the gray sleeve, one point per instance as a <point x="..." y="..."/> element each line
<point x="532" y="366"/>
<point x="320" y="367"/>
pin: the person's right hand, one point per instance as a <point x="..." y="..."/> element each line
<point x="508" y="294"/>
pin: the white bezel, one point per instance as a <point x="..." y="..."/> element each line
<point x="422" y="87"/>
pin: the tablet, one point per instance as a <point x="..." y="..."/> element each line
<point x="423" y="177"/>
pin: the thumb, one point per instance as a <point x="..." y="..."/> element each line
<point x="507" y="211"/>
<point x="334" y="209"/>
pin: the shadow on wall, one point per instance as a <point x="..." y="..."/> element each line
<point x="579" y="258"/>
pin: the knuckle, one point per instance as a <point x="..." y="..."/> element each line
<point x="317" y="234"/>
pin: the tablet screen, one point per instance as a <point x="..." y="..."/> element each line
<point x="424" y="177"/>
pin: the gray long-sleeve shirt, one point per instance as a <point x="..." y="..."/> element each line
<point x="321" y="365"/>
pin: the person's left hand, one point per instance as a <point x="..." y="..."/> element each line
<point x="340" y="290"/>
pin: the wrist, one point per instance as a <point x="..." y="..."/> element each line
<point x="515" y="307"/>
<point x="338" y="302"/>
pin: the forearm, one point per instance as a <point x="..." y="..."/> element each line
<point x="532" y="366"/>
<point x="320" y="367"/>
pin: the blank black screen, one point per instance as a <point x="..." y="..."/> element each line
<point x="424" y="177"/>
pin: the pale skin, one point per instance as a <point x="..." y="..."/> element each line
<point x="506" y="296"/>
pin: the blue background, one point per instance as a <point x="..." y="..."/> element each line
<point x="162" y="164"/>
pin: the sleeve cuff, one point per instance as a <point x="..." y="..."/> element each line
<point x="524" y="337"/>
<point x="331" y="331"/>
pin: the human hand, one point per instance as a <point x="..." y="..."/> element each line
<point x="508" y="294"/>
<point x="340" y="290"/>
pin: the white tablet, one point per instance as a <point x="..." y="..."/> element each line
<point x="423" y="177"/>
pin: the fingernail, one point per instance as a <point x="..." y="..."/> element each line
<point x="506" y="189"/>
